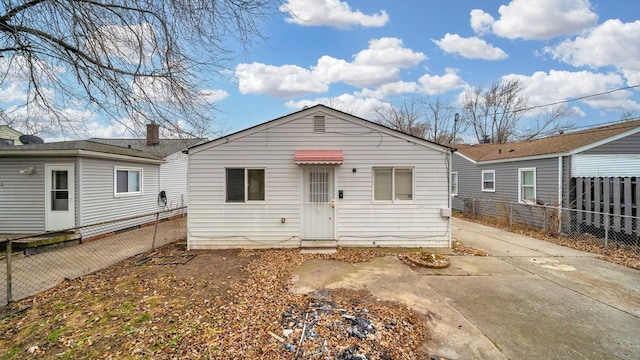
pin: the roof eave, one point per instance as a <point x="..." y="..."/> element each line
<point x="79" y="153"/>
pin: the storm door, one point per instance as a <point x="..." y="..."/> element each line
<point x="59" y="197"/>
<point x="319" y="203"/>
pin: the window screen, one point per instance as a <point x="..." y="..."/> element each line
<point x="382" y="180"/>
<point x="237" y="180"/>
<point x="128" y="181"/>
<point x="235" y="185"/>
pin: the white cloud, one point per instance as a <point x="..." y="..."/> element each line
<point x="543" y="19"/>
<point x="470" y="48"/>
<point x="13" y="92"/>
<point x="481" y="22"/>
<point x="545" y="88"/>
<point x="212" y="95"/>
<point x="436" y="84"/>
<point x="380" y="63"/>
<point x="333" y="13"/>
<point x="613" y="43"/>
<point x="388" y="51"/>
<point x="361" y="107"/>
<point x="279" y="81"/>
<point x="375" y="66"/>
<point x="391" y="89"/>
<point x="136" y="44"/>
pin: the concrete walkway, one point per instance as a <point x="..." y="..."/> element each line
<point x="529" y="300"/>
<point x="37" y="273"/>
<point x="537" y="300"/>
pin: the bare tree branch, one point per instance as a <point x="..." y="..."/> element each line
<point x="496" y="114"/>
<point x="129" y="60"/>
<point x="406" y="118"/>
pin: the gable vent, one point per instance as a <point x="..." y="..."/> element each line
<point x="318" y="124"/>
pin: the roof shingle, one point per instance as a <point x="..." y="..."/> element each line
<point x="557" y="144"/>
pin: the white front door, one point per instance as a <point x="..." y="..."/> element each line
<point x="59" y="202"/>
<point x="318" y="203"/>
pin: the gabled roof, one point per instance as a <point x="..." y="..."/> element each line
<point x="315" y="109"/>
<point x="565" y="144"/>
<point x="165" y="148"/>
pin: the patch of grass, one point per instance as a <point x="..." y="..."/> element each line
<point x="127" y="307"/>
<point x="13" y="352"/>
<point x="143" y="318"/>
<point x="55" y="335"/>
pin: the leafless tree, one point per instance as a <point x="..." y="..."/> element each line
<point x="440" y="116"/>
<point x="128" y="59"/>
<point x="546" y="124"/>
<point x="406" y="117"/>
<point x="496" y="113"/>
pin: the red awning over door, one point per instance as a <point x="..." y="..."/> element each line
<point x="318" y="157"/>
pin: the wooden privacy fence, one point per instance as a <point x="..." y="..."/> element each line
<point x="617" y="196"/>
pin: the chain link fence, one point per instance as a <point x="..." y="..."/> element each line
<point x="32" y="264"/>
<point x="604" y="229"/>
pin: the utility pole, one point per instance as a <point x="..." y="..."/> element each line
<point x="455" y="128"/>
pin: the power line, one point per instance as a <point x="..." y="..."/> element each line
<point x="575" y="99"/>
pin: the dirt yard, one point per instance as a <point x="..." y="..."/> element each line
<point x="210" y="304"/>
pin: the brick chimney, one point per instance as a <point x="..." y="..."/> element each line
<point x="153" y="134"/>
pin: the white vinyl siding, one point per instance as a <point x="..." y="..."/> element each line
<point x="601" y="165"/>
<point x="489" y="180"/>
<point x="279" y="222"/>
<point x="98" y="202"/>
<point x="173" y="180"/>
<point x="22" y="206"/>
<point x="527" y="185"/>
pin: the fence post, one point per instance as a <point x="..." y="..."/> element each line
<point x="474" y="208"/>
<point x="155" y="231"/>
<point x="8" y="247"/>
<point x="510" y="214"/>
<point x="606" y="230"/>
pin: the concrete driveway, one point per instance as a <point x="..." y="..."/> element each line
<point x="529" y="300"/>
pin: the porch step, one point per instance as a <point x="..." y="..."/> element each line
<point x="318" y="246"/>
<point x="45" y="242"/>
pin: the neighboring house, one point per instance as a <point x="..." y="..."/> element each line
<point x="595" y="170"/>
<point x="61" y="185"/>
<point x="318" y="174"/>
<point x="9" y="137"/>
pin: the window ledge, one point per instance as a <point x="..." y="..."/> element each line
<point x="125" y="195"/>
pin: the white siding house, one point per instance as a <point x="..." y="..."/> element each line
<point x="318" y="174"/>
<point x="62" y="185"/>
<point x="9" y="136"/>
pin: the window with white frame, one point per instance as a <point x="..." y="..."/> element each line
<point x="454" y="183"/>
<point x="127" y="181"/>
<point x="489" y="180"/>
<point x="244" y="185"/>
<point x="527" y="185"/>
<point x="392" y="184"/>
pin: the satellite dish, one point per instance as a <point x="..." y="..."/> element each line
<point x="30" y="139"/>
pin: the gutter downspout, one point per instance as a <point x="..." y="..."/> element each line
<point x="79" y="194"/>
<point x="450" y="200"/>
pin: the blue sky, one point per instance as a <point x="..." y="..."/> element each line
<point x="361" y="54"/>
<point x="358" y="55"/>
